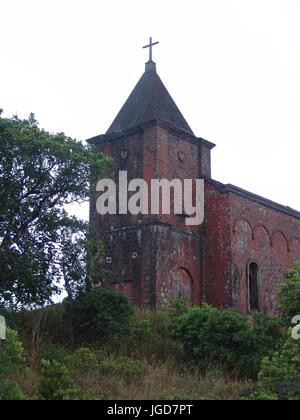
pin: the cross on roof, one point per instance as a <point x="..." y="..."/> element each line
<point x="150" y="46"/>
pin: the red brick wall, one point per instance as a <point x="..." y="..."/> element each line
<point x="177" y="266"/>
<point x="265" y="236"/>
<point x="237" y="231"/>
<point x="126" y="288"/>
<point x="215" y="235"/>
<point x="177" y="260"/>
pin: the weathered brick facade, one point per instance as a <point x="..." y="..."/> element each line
<point x="237" y="256"/>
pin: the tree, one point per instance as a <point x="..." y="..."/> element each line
<point x="100" y="315"/>
<point x="71" y="256"/>
<point x="280" y="375"/>
<point x="79" y="258"/>
<point x="40" y="173"/>
<point x="289" y="294"/>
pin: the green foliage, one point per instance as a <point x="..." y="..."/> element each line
<point x="280" y="375"/>
<point x="51" y="352"/>
<point x="128" y="368"/>
<point x="10" y="391"/>
<point x="44" y="325"/>
<point x="83" y="362"/>
<point x="150" y="336"/>
<point x="100" y="315"/>
<point x="256" y="396"/>
<point x="268" y="334"/>
<point x="40" y="173"/>
<point x="289" y="294"/>
<point x="224" y="338"/>
<point x="178" y="307"/>
<point x="11" y="354"/>
<point x="55" y="381"/>
<point x="12" y="361"/>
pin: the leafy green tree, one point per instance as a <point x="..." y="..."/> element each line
<point x="280" y="375"/>
<point x="12" y="360"/>
<point x="40" y="173"/>
<point x="56" y="382"/>
<point x="289" y="294"/>
<point x="71" y="258"/>
<point x="100" y="315"/>
<point x="11" y="353"/>
<point x="227" y="338"/>
<point x="210" y="336"/>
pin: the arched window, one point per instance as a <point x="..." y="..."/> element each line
<point x="254" y="287"/>
<point x="184" y="285"/>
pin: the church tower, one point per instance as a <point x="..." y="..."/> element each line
<point x="153" y="259"/>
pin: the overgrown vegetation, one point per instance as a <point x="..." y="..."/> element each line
<point x="100" y="315"/>
<point x="226" y="339"/>
<point x="289" y="294"/>
<point x="125" y="353"/>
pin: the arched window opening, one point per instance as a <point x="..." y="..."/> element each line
<point x="185" y="285"/>
<point x="254" y="287"/>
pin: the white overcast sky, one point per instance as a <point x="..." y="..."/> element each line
<point x="232" y="66"/>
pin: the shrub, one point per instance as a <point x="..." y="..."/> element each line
<point x="10" y="391"/>
<point x="289" y="293"/>
<point x="55" y="381"/>
<point x="178" y="307"/>
<point x="52" y="352"/>
<point x="11" y="354"/>
<point x="212" y="337"/>
<point x="99" y="315"/>
<point x="280" y="375"/>
<point x="48" y="324"/>
<point x="124" y="366"/>
<point x="268" y="333"/>
<point x="83" y="362"/>
<point x="150" y="336"/>
<point x="12" y="361"/>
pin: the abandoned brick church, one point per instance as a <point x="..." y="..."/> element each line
<point x="236" y="258"/>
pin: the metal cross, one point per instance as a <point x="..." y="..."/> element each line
<point x="150" y="46"/>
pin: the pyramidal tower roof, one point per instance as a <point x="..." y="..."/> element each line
<point x="149" y="101"/>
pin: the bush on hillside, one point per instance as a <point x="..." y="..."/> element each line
<point x="55" y="383"/>
<point x="212" y="337"/>
<point x="227" y="338"/>
<point x="150" y="337"/>
<point x="45" y="325"/>
<point x="12" y="356"/>
<point x="52" y="352"/>
<point x="280" y="375"/>
<point x="178" y="307"/>
<point x="124" y="366"/>
<point x="12" y="360"/>
<point x="100" y="315"/>
<point x="269" y="333"/>
<point x="83" y="362"/>
<point x="10" y="391"/>
<point x="289" y="294"/>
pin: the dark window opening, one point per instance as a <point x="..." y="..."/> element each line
<point x="254" y="287"/>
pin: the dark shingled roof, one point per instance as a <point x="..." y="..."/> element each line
<point x="149" y="101"/>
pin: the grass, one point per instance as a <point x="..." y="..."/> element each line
<point x="166" y="381"/>
<point x="161" y="381"/>
<point x="145" y="366"/>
